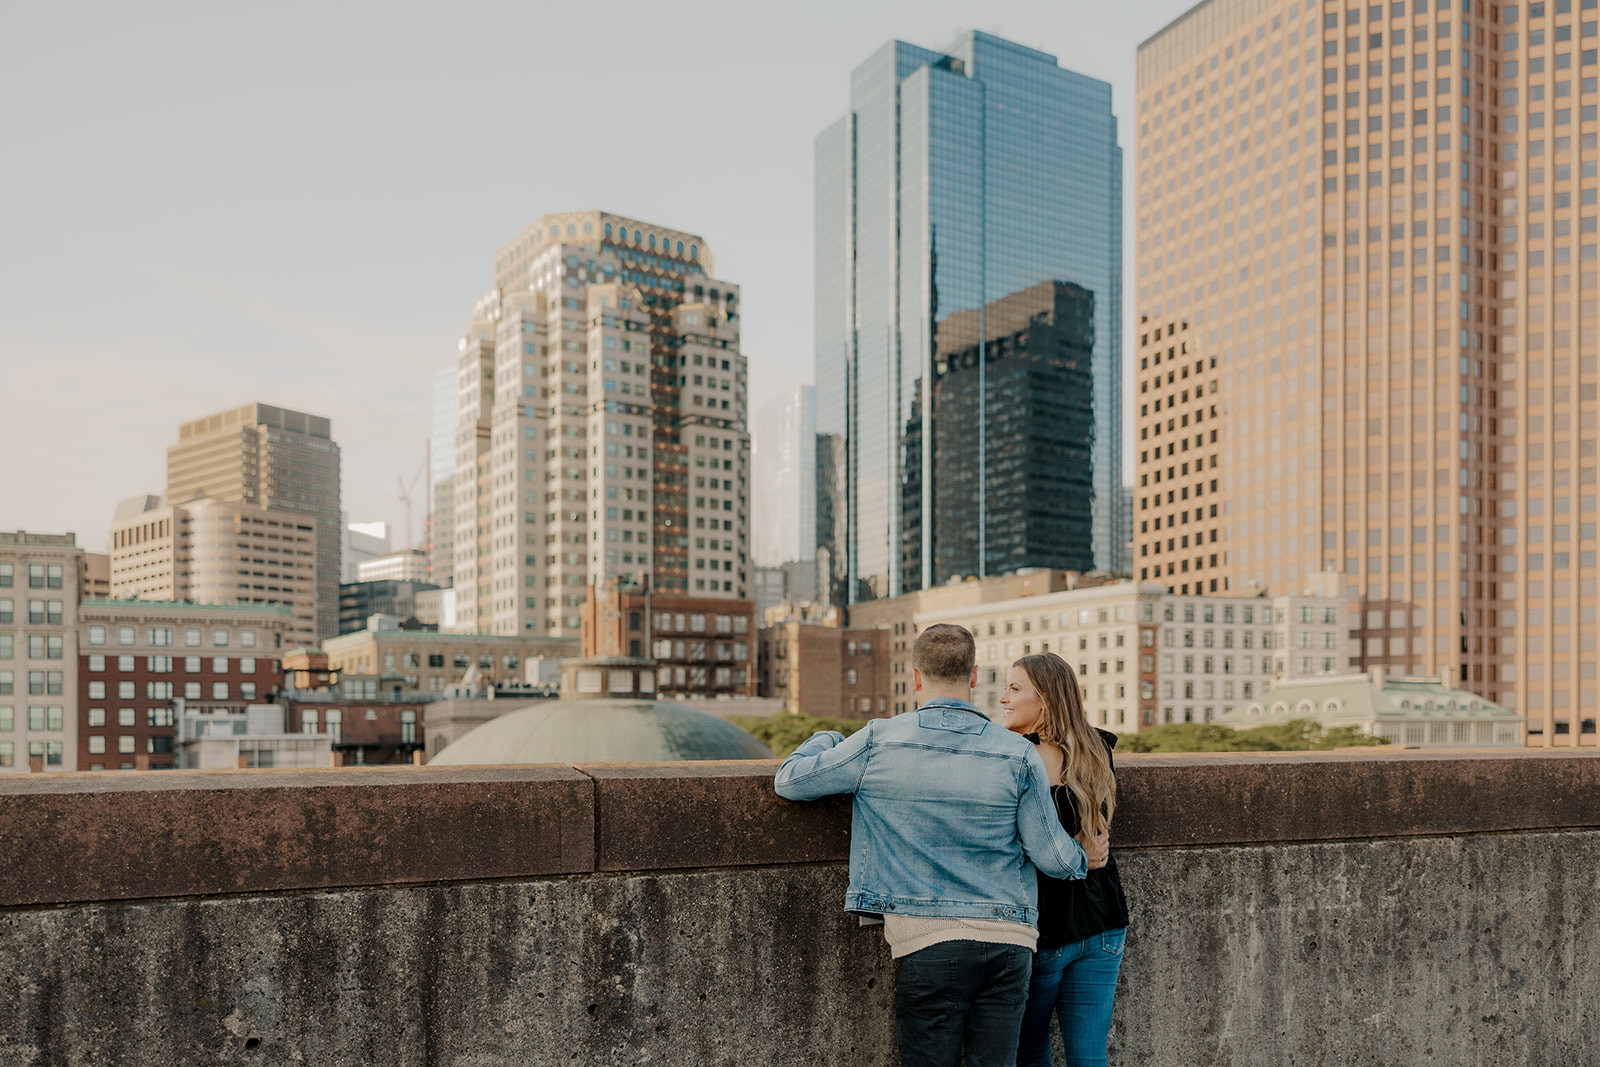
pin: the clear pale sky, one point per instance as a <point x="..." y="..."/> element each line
<point x="207" y="204"/>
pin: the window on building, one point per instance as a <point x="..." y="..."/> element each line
<point x="219" y="690"/>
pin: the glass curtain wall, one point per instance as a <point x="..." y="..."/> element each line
<point x="957" y="179"/>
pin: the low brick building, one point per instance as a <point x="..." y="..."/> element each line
<point x="826" y="671"/>
<point x="702" y="647"/>
<point x="143" y="663"/>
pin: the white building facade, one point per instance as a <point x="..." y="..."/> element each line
<point x="601" y="426"/>
<point x="784" y="458"/>
<point x="1145" y="657"/>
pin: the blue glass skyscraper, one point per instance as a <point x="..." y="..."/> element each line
<point x="957" y="179"/>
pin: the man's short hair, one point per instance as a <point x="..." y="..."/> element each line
<point x="945" y="653"/>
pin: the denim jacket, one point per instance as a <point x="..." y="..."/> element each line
<point x="951" y="817"/>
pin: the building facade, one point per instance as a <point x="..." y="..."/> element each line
<point x="601" y="402"/>
<point x="702" y="646"/>
<point x="783" y="458"/>
<point x="1146" y="657"/>
<point x="40" y="588"/>
<point x="410" y="565"/>
<point x="143" y="665"/>
<point x="1378" y="221"/>
<point x="956" y="179"/>
<point x="431" y="662"/>
<point x="271" y="458"/>
<point x="441" y="468"/>
<point x="824" y="670"/>
<point x="1414" y="712"/>
<point x="360" y="600"/>
<point x="219" y="552"/>
<point x="1010" y="432"/>
<point x="363" y="541"/>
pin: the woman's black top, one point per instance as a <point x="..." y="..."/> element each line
<point x="1069" y="910"/>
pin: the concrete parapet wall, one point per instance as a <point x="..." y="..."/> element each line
<point x="1389" y="908"/>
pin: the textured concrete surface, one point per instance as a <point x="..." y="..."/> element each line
<point x="752" y="966"/>
<point x="1474" y="950"/>
<point x="1234" y="798"/>
<point x="660" y="816"/>
<point x="82" y="837"/>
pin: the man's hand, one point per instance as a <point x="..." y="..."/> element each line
<point x="1097" y="850"/>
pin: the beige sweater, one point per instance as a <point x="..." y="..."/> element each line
<point x="912" y="933"/>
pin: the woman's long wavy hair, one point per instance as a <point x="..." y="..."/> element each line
<point x="1087" y="770"/>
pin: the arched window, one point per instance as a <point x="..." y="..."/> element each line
<point x="555" y="231"/>
<point x="588" y="227"/>
<point x="652" y="240"/>
<point x="1332" y="706"/>
<point x="1280" y="708"/>
<point x="571" y="229"/>
<point x="1304" y="708"/>
<point x="694" y="251"/>
<point x="680" y="248"/>
<point x="608" y="229"/>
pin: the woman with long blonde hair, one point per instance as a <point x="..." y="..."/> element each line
<point x="1082" y="925"/>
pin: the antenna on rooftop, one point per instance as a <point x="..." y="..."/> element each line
<point x="405" y="498"/>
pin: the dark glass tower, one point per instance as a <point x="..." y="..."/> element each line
<point x="1019" y="436"/>
<point x="956" y="180"/>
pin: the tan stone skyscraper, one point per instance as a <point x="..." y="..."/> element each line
<point x="1373" y="227"/>
<point x="601" y="426"/>
<point x="273" y="458"/>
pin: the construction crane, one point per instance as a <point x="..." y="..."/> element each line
<point x="405" y="498"/>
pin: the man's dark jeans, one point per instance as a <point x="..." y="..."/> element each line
<point x="959" y="991"/>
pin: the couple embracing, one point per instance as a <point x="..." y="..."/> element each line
<point x="983" y="850"/>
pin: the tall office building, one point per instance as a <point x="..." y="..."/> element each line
<point x="601" y="405"/>
<point x="219" y="552"/>
<point x="1029" y="461"/>
<point x="956" y="179"/>
<point x="272" y="458"/>
<point x="441" y="466"/>
<point x="783" y="458"/>
<point x="1367" y="270"/>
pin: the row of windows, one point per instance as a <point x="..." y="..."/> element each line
<point x="168" y="690"/>
<point x="164" y="664"/>
<point x="40" y="717"/>
<point x="39" y="611"/>
<point x="161" y="635"/>
<point x="681" y="622"/>
<point x="40" y="646"/>
<point x="159" y="717"/>
<point x="127" y="743"/>
<point x="49" y="751"/>
<point x="40" y="683"/>
<point x="40" y="575"/>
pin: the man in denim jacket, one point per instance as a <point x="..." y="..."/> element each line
<point x="952" y="815"/>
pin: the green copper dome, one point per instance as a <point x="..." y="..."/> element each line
<point x="602" y="731"/>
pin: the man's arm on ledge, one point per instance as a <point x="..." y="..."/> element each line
<point x="825" y="763"/>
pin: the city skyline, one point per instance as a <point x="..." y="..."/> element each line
<point x="312" y="281"/>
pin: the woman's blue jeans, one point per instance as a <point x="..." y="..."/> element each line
<point x="1075" y="982"/>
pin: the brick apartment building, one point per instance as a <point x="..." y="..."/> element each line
<point x="142" y="664"/>
<point x="825" y="671"/>
<point x="702" y="647"/>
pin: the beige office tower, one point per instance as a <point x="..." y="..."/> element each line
<point x="272" y="458"/>
<point x="218" y="552"/>
<point x="602" y="429"/>
<point x="1379" y="221"/>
